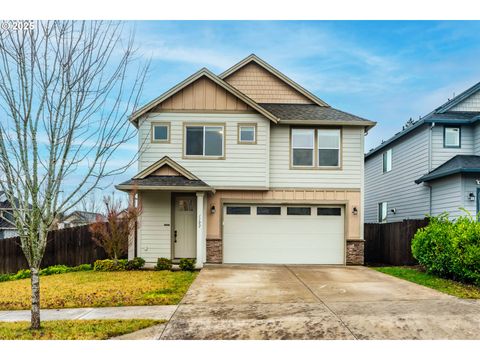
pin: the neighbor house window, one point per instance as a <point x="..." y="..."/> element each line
<point x="328" y="147"/>
<point x="382" y="212"/>
<point x="204" y="141"/>
<point x="247" y="134"/>
<point x="387" y="161"/>
<point x="451" y="137"/>
<point x="303" y="145"/>
<point x="316" y="148"/>
<point x="160" y="132"/>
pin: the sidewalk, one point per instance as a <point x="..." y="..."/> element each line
<point x="158" y="312"/>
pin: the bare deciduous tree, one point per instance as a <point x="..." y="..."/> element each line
<point x="66" y="88"/>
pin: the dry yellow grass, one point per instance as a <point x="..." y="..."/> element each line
<point x="99" y="289"/>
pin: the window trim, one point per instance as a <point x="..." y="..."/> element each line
<point x="314" y="155"/>
<point x="239" y="133"/>
<point x="315" y="149"/>
<point x="383" y="161"/>
<point x="152" y="132"/>
<point x="379" y="219"/>
<point x="204" y="124"/>
<point x="445" y="137"/>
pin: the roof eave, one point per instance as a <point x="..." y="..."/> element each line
<point x="366" y="123"/>
<point x="427" y="178"/>
<point x="164" y="188"/>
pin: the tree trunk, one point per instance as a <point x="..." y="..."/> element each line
<point x="35" y="312"/>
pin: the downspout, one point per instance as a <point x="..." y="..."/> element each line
<point x="430" y="151"/>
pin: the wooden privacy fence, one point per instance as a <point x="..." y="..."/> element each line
<point x="390" y="243"/>
<point x="71" y="246"/>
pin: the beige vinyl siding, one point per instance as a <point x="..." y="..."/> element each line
<point x="472" y="103"/>
<point x="154" y="239"/>
<point x="397" y="187"/>
<point x="264" y="87"/>
<point x="447" y="196"/>
<point x="244" y="166"/>
<point x="349" y="176"/>
<point x="440" y="154"/>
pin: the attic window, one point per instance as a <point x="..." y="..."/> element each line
<point x="451" y="137"/>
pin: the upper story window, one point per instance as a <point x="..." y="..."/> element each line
<point x="316" y="148"/>
<point x="160" y="132"/>
<point x="247" y="133"/>
<point x="204" y="141"/>
<point x="387" y="161"/>
<point x="451" y="137"/>
<point x="382" y="212"/>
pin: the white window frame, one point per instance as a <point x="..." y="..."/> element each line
<point x="388" y="166"/>
<point x="303" y="148"/>
<point x="242" y="141"/>
<point x="382" y="212"/>
<point x="459" y="134"/>
<point x="204" y="126"/>
<point x="320" y="147"/>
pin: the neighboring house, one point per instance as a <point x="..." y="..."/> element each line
<point x="248" y="167"/>
<point x="431" y="166"/>
<point x="79" y="218"/>
<point x="7" y="223"/>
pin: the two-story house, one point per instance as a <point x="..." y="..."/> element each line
<point x="248" y="167"/>
<point x="431" y="166"/>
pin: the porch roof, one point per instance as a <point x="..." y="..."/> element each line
<point x="160" y="182"/>
<point x="459" y="164"/>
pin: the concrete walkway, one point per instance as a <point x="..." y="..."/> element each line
<point x="162" y="312"/>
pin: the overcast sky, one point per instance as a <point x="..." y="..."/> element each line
<point x="386" y="71"/>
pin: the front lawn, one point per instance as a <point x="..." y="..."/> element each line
<point x="99" y="289"/>
<point x="417" y="276"/>
<point x="72" y="329"/>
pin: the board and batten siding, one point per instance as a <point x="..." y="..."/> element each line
<point x="472" y="103"/>
<point x="397" y="187"/>
<point x="440" y="154"/>
<point x="447" y="195"/>
<point x="349" y="176"/>
<point x="244" y="166"/>
<point x="154" y="226"/>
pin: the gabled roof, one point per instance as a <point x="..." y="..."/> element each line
<point x="292" y="113"/>
<point x="207" y="73"/>
<point x="441" y="115"/>
<point x="459" y="164"/>
<point x="272" y="70"/>
<point x="458" y="99"/>
<point x="165" y="161"/>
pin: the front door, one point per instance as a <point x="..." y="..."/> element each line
<point x="185" y="232"/>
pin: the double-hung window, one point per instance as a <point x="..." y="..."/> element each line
<point x="303" y="147"/>
<point x="451" y="137"/>
<point x="316" y="148"/>
<point x="204" y="141"/>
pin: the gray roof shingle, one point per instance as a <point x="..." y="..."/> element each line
<point x="456" y="165"/>
<point x="154" y="180"/>
<point x="310" y="112"/>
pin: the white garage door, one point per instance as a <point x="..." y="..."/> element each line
<point x="283" y="234"/>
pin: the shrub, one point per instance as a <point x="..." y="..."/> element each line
<point x="110" y="265"/>
<point x="51" y="270"/>
<point x="163" y="264"/>
<point x="450" y="249"/>
<point x="135" y="264"/>
<point x="187" y="264"/>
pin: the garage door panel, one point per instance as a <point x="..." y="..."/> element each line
<point x="284" y="239"/>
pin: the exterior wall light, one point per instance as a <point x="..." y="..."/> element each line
<point x="394" y="210"/>
<point x="212" y="210"/>
<point x="355" y="210"/>
<point x="471" y="196"/>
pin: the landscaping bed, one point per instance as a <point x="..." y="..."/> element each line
<point x="73" y="329"/>
<point x="418" y="276"/>
<point x="99" y="289"/>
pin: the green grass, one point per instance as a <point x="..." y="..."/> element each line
<point x="72" y="329"/>
<point x="99" y="289"/>
<point x="417" y="276"/>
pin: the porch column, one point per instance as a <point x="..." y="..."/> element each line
<point x="200" y="230"/>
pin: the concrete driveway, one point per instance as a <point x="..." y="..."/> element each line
<point x="317" y="302"/>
